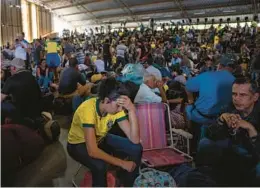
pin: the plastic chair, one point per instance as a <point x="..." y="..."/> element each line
<point x="157" y="153"/>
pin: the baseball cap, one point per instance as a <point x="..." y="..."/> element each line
<point x="226" y="60"/>
<point x="18" y="63"/>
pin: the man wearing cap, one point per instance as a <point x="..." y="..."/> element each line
<point x="215" y="92"/>
<point x="24" y="94"/>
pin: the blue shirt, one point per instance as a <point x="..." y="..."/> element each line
<point x="176" y="61"/>
<point x="215" y="91"/>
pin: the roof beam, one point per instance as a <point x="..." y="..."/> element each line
<point x="180" y="17"/>
<point x="130" y="6"/>
<point x="254" y="7"/>
<point x="145" y="4"/>
<point x="197" y="7"/>
<point x="89" y="12"/>
<point x="125" y="6"/>
<point x="179" y="4"/>
<point x="49" y="1"/>
<point x="143" y="13"/>
<point x="80" y="4"/>
<point x="107" y="9"/>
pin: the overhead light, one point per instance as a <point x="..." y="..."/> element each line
<point x="11" y="6"/>
<point x="199" y="13"/>
<point x="229" y="11"/>
<point x="18" y="6"/>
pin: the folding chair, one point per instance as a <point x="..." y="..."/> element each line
<point x="180" y="132"/>
<point x="151" y="118"/>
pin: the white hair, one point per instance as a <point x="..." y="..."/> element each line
<point x="148" y="77"/>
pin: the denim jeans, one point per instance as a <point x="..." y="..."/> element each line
<point x="227" y="158"/>
<point x="43" y="81"/>
<point x="120" y="60"/>
<point x="108" y="62"/>
<point x="115" y="145"/>
<point x="186" y="176"/>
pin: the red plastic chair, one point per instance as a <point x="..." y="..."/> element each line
<point x="151" y="118"/>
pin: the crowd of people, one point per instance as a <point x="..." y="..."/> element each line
<point x="210" y="78"/>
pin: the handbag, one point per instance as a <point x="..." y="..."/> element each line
<point x="150" y="177"/>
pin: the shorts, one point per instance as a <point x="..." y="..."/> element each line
<point x="53" y="60"/>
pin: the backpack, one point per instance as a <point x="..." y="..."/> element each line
<point x="51" y="128"/>
<point x="154" y="178"/>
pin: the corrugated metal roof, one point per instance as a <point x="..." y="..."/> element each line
<point x="165" y="5"/>
<point x="78" y="17"/>
<point x="67" y="11"/>
<point x="107" y="10"/>
<point x="136" y="2"/>
<point x="101" y="5"/>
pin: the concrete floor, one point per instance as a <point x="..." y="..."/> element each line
<point x="54" y="168"/>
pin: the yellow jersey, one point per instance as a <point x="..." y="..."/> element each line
<point x="216" y="40"/>
<point x="52" y="47"/>
<point x="88" y="116"/>
<point x="93" y="58"/>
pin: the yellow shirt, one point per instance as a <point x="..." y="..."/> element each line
<point x="52" y="47"/>
<point x="216" y="40"/>
<point x="114" y="60"/>
<point x="88" y="116"/>
<point x="93" y="58"/>
<point x="166" y="87"/>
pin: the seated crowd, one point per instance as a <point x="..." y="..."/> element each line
<point x="208" y="89"/>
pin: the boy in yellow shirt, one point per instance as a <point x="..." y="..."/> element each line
<point x="89" y="139"/>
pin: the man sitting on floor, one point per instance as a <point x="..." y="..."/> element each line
<point x="72" y="82"/>
<point x="21" y="95"/>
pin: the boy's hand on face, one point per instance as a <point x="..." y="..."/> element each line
<point x="125" y="102"/>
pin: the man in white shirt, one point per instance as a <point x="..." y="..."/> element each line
<point x="100" y="65"/>
<point x="145" y="93"/>
<point x="148" y="65"/>
<point x="121" y="49"/>
<point x="20" y="49"/>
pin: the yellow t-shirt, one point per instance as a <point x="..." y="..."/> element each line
<point x="93" y="58"/>
<point x="216" y="40"/>
<point x="114" y="60"/>
<point x="88" y="116"/>
<point x="166" y="87"/>
<point x="52" y="47"/>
